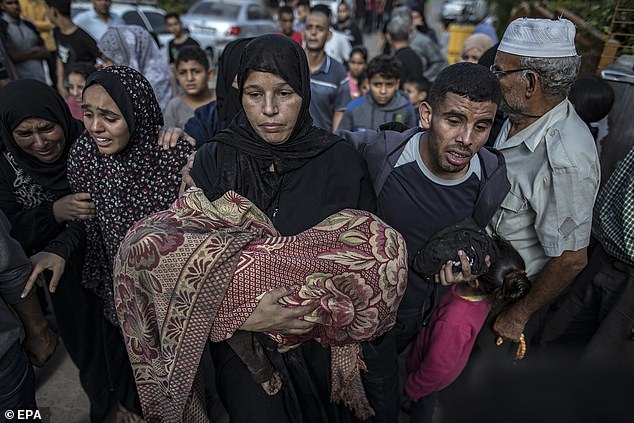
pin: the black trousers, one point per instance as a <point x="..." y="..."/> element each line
<point x="596" y="318"/>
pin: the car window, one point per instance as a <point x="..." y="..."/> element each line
<point x="254" y="12"/>
<point x="211" y="8"/>
<point x="133" y="18"/>
<point x="157" y="20"/>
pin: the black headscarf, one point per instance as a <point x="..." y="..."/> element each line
<point x="243" y="158"/>
<point x="227" y="97"/>
<point x="25" y="99"/>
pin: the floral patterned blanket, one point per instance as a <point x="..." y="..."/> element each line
<point x="197" y="270"/>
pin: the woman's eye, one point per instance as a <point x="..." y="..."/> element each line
<point x="111" y="119"/>
<point x="453" y="121"/>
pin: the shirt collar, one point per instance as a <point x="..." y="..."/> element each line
<point x="325" y="67"/>
<point x="533" y="134"/>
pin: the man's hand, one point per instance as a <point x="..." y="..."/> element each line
<point x="447" y="277"/>
<point x="187" y="180"/>
<point x="168" y="137"/>
<point x="271" y="316"/>
<point x="74" y="206"/>
<point x="510" y="324"/>
<point x="41" y="262"/>
<point x="39" y="347"/>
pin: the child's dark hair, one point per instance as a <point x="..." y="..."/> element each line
<point x="82" y="68"/>
<point x="592" y="97"/>
<point x="62" y="6"/>
<point x="465" y="79"/>
<point x="506" y="281"/>
<point x="420" y="83"/>
<point x="172" y="15"/>
<point x="384" y="65"/>
<point x="360" y="50"/>
<point x="285" y="10"/>
<point x="195" y="53"/>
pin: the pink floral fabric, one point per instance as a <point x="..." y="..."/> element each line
<point x="197" y="271"/>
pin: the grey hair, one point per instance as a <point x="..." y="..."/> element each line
<point x="399" y="27"/>
<point x="557" y="73"/>
<point x="402" y="11"/>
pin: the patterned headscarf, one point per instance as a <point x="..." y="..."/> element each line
<point x="127" y="186"/>
<point x="133" y="46"/>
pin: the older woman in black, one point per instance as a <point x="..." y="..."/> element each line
<point x="298" y="175"/>
<point x="37" y="133"/>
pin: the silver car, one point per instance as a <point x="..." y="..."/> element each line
<point x="214" y="23"/>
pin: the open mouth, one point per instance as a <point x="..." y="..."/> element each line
<point x="102" y="142"/>
<point x="458" y="159"/>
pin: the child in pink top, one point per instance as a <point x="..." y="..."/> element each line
<point x="441" y="350"/>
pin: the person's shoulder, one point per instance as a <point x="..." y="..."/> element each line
<point x="569" y="143"/>
<point x="337" y="69"/>
<point x="354" y="104"/>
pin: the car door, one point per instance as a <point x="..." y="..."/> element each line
<point x="259" y="20"/>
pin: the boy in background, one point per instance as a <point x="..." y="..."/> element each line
<point x="181" y="38"/>
<point x="286" y="18"/>
<point x="383" y="103"/>
<point x="192" y="72"/>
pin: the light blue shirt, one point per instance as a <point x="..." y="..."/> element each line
<point x="90" y="22"/>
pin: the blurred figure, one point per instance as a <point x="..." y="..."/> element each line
<point x="346" y="25"/>
<point x="474" y="47"/>
<point x="97" y="21"/>
<point x="337" y="46"/>
<point x="286" y="18"/>
<point x="133" y="46"/>
<point x="76" y="77"/>
<point x="301" y="12"/>
<point x="428" y="51"/>
<point x="24" y="44"/>
<point x="593" y="98"/>
<point x="17" y="390"/>
<point x="356" y="68"/>
<point x="181" y="37"/>
<point x="34" y="11"/>
<point x="398" y="34"/>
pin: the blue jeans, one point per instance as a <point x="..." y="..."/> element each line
<point x="17" y="382"/>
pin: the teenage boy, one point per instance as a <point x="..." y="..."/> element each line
<point x="286" y="18"/>
<point x="181" y="38"/>
<point x="74" y="45"/>
<point x="383" y="103"/>
<point x="192" y="73"/>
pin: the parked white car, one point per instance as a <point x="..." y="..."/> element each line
<point x="215" y="23"/>
<point x="149" y="17"/>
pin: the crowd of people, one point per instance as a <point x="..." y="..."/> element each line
<point x="329" y="235"/>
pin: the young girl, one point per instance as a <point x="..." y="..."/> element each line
<point x="356" y="68"/>
<point x="76" y="78"/>
<point x="441" y="350"/>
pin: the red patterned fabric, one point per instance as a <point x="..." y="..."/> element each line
<point x="197" y="270"/>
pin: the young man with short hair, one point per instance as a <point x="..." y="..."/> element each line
<point x="181" y="37"/>
<point x="426" y="180"/>
<point x="286" y="18"/>
<point x="330" y="92"/>
<point x="383" y="103"/>
<point x="192" y="73"/>
<point x="74" y="45"/>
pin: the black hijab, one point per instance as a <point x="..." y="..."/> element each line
<point x="243" y="158"/>
<point x="227" y="97"/>
<point x="25" y="99"/>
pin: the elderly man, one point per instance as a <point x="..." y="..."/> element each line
<point x="552" y="165"/>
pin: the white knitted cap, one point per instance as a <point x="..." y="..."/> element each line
<point x="539" y="38"/>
